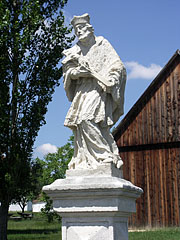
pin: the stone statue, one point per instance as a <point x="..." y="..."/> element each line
<point x="94" y="81"/>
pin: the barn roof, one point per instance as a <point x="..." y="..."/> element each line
<point x="145" y="97"/>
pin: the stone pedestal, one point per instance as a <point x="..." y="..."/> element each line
<point x="94" y="204"/>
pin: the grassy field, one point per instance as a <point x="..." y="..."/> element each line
<point x="35" y="229"/>
<point x="39" y="229"/>
<point x="156" y="234"/>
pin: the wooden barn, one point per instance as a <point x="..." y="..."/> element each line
<point x="148" y="139"/>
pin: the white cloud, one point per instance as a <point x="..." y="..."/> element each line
<point x="67" y="22"/>
<point x="68" y="17"/>
<point x="46" y="148"/>
<point x="137" y="70"/>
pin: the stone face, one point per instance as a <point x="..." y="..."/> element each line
<point x="94" y="81"/>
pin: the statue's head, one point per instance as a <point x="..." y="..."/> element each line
<point x="82" y="27"/>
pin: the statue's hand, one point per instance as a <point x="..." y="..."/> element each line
<point x="79" y="72"/>
<point x="75" y="58"/>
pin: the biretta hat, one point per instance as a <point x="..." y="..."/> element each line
<point x="80" y="19"/>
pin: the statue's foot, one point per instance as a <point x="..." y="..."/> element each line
<point x="117" y="161"/>
<point x="119" y="164"/>
<point x="77" y="163"/>
<point x="71" y="164"/>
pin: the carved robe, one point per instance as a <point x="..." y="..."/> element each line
<point x="97" y="102"/>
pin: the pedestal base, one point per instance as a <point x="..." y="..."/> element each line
<point x="95" y="228"/>
<point x="94" y="205"/>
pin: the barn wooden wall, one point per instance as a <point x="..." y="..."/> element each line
<point x="159" y="120"/>
<point x="150" y="149"/>
<point x="157" y="172"/>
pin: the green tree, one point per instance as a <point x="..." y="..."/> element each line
<point x="54" y="167"/>
<point x="56" y="164"/>
<point x="33" y="188"/>
<point x="32" y="38"/>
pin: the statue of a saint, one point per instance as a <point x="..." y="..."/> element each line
<point x="94" y="81"/>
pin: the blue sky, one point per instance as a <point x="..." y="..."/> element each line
<point x="145" y="34"/>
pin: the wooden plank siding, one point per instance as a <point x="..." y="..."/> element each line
<point x="148" y="139"/>
<point x="160" y="114"/>
<point x="159" y="177"/>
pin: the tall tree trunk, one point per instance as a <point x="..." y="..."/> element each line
<point x="4" y="207"/>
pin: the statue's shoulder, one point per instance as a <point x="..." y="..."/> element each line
<point x="72" y="50"/>
<point x="99" y="40"/>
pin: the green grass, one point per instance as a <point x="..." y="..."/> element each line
<point x="159" y="234"/>
<point x="39" y="229"/>
<point x="35" y="229"/>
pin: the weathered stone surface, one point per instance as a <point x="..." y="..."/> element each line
<point x="94" y="206"/>
<point x="94" y="200"/>
<point x="94" y="81"/>
<point x="107" y="169"/>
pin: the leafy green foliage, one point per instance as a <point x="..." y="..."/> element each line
<point x="32" y="38"/>
<point x="33" y="188"/>
<point x="56" y="164"/>
<point x="48" y="211"/>
<point x="54" y="167"/>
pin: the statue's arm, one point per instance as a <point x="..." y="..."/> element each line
<point x="80" y="72"/>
